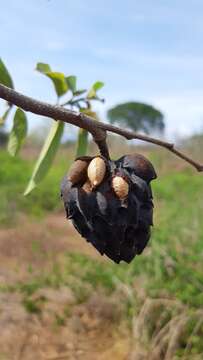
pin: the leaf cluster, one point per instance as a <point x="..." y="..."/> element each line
<point x="75" y="99"/>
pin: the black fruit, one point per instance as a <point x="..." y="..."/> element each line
<point x="117" y="227"/>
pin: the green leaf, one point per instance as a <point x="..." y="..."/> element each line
<point x="93" y="90"/>
<point x="4" y="116"/>
<point x="18" y="132"/>
<point x="71" y="81"/>
<point x="58" y="78"/>
<point x="46" y="156"/>
<point x="98" y="85"/>
<point x="59" y="81"/>
<point x="5" y="77"/>
<point x="43" y="68"/>
<point x="82" y="143"/>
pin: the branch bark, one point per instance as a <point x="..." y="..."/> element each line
<point x="97" y="129"/>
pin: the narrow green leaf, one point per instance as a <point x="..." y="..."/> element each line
<point x="71" y="81"/>
<point x="46" y="156"/>
<point x="58" y="78"/>
<point x="82" y="143"/>
<point x="43" y="68"/>
<point x="18" y="132"/>
<point x="5" y="77"/>
<point x="5" y="115"/>
<point x="93" y="90"/>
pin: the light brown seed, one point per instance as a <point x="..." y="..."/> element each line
<point x="87" y="187"/>
<point x="120" y="187"/>
<point x="78" y="171"/>
<point x="96" y="171"/>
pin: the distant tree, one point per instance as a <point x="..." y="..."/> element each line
<point x="137" y="116"/>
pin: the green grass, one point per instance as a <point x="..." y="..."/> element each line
<point x="14" y="176"/>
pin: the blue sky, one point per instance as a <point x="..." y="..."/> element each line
<point x="149" y="51"/>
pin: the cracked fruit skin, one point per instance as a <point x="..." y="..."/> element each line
<point x="117" y="223"/>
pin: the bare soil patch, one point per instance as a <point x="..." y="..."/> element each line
<point x="90" y="331"/>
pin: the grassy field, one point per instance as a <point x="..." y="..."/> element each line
<point x="14" y="176"/>
<point x="167" y="278"/>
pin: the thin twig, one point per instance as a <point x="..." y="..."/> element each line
<point x="97" y="129"/>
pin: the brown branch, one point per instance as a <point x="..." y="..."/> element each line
<point x="97" y="129"/>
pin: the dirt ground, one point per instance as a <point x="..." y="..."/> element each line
<point x="92" y="330"/>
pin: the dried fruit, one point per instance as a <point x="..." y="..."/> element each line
<point x="78" y="170"/>
<point x="96" y="171"/>
<point x="139" y="165"/>
<point x="116" y="215"/>
<point x="120" y="187"/>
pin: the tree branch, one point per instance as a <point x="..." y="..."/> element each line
<point x="97" y="129"/>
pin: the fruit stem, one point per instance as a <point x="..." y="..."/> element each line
<point x="102" y="145"/>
